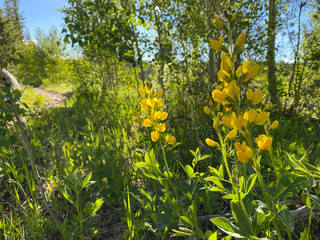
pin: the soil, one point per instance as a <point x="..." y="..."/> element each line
<point x="56" y="99"/>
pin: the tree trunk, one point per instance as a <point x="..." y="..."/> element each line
<point x="161" y="51"/>
<point x="211" y="63"/>
<point x="271" y="63"/>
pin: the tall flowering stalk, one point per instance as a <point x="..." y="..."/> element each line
<point x="155" y="118"/>
<point x="234" y="118"/>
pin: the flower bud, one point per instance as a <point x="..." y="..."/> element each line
<point x="212" y="143"/>
<point x="274" y="125"/>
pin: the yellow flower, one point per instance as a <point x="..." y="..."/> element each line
<point x="144" y="105"/>
<point x="250" y="116"/>
<point x="142" y="91"/>
<point x="217" y="45"/>
<point x="226" y="121"/>
<point x="264" y="142"/>
<point x="158" y="103"/>
<point x="223" y="76"/>
<point x="160" y="127"/>
<point x="226" y="63"/>
<point x="238" y="122"/>
<point x="240" y="41"/>
<point x="274" y="125"/>
<point x="207" y="110"/>
<point x="261" y="118"/>
<point x="254" y="98"/>
<point x="170" y="140"/>
<point x="155" y="136"/>
<point x="253" y="71"/>
<point x="218" y="96"/>
<point x="161" y="115"/>
<point x="212" y="143"/>
<point x="248" y="70"/>
<point x="234" y="17"/>
<point x="244" y="153"/>
<point x="231" y="135"/>
<point x="232" y="90"/>
<point x="147" y="122"/>
<point x="159" y="93"/>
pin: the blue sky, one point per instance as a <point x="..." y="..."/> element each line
<point x="42" y="14"/>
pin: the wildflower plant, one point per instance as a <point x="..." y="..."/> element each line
<point x="237" y="124"/>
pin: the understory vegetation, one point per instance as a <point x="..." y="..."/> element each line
<point x="203" y="139"/>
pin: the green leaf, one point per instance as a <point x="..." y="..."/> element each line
<point x="287" y="219"/>
<point x="287" y="189"/>
<point x="143" y="165"/>
<point x="65" y="193"/>
<point x="251" y="182"/>
<point x="298" y="165"/>
<point x="241" y="220"/>
<point x="86" y="180"/>
<point x="88" y="208"/>
<point x="225" y="225"/>
<point x="316" y="200"/>
<point x="186" y="221"/>
<point x="305" y="235"/>
<point x="184" y="232"/>
<point x="189" y="171"/>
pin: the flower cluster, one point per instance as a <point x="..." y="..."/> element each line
<point x="151" y="105"/>
<point x="236" y="115"/>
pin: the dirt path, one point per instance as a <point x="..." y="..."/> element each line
<point x="56" y="99"/>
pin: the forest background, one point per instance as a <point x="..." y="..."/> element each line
<point x="81" y="170"/>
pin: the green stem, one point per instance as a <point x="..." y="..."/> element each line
<point x="256" y="166"/>
<point x="168" y="170"/>
<point x="225" y="160"/>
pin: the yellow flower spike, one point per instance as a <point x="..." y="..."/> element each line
<point x="144" y="105"/>
<point x="264" y="142"/>
<point x="219" y="22"/>
<point x="160" y="127"/>
<point x="142" y="91"/>
<point x="267" y="107"/>
<point x="212" y="143"/>
<point x="274" y="125"/>
<point x="239" y="71"/>
<point x="253" y="71"/>
<point x="261" y="118"/>
<point x="218" y="96"/>
<point x="254" y="98"/>
<point x="207" y="110"/>
<point x="215" y="45"/>
<point x="170" y="140"/>
<point x="159" y="93"/>
<point x="147" y="122"/>
<point x="240" y="41"/>
<point x="155" y="136"/>
<point x="231" y="135"/>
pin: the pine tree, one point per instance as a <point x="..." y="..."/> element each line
<point x="11" y="32"/>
